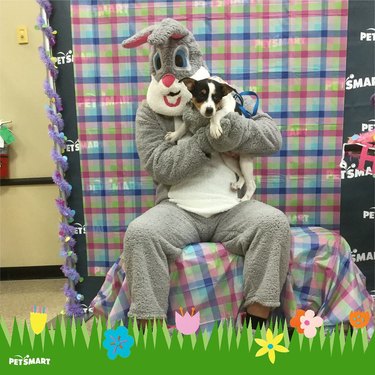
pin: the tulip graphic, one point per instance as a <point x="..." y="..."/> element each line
<point x="38" y="320"/>
<point x="187" y="323"/>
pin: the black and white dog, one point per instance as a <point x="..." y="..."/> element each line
<point x="212" y="98"/>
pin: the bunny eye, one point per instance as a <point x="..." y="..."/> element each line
<point x="157" y="61"/>
<point x="181" y="58"/>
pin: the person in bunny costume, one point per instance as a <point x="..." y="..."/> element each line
<point x="194" y="202"/>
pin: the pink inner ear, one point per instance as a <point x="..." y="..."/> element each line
<point x="136" y="42"/>
<point x="177" y="36"/>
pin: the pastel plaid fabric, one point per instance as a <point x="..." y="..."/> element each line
<point x="292" y="53"/>
<point x="322" y="277"/>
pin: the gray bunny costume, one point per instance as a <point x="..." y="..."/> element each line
<point x="256" y="231"/>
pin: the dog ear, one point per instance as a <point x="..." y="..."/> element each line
<point x="189" y="83"/>
<point x="227" y="89"/>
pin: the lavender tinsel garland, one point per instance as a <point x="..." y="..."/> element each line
<point x="48" y="62"/>
<point x="73" y="308"/>
<point x="70" y="273"/>
<point x="47" y="30"/>
<point x="58" y="138"/>
<point x="63" y="185"/>
<point x="64" y="210"/>
<point x="56" y="118"/>
<point x="53" y="95"/>
<point x="67" y="230"/>
<point x="69" y="292"/>
<point x="47" y="6"/>
<point x="60" y="160"/>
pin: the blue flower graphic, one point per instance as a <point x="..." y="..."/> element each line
<point x="117" y="342"/>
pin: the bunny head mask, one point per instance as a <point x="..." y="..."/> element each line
<point x="174" y="55"/>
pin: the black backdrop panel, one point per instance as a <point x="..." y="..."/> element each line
<point x="358" y="188"/>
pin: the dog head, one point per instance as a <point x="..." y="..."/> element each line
<point x="207" y="94"/>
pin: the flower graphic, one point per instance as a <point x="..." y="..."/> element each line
<point x="270" y="346"/>
<point x="296" y="321"/>
<point x="309" y="323"/>
<point x="38" y="319"/>
<point x="187" y="323"/>
<point x="117" y="342"/>
<point x="359" y="319"/>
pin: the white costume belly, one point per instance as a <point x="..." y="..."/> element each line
<point x="208" y="192"/>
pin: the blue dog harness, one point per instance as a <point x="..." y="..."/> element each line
<point x="239" y="99"/>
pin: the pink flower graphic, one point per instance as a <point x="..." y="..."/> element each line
<point x="309" y="323"/>
<point x="187" y="323"/>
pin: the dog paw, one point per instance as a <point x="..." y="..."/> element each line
<point x="237" y="185"/>
<point x="247" y="196"/>
<point x="216" y="131"/>
<point x="171" y="137"/>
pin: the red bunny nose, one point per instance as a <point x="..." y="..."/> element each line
<point x="168" y="79"/>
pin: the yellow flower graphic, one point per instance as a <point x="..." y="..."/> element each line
<point x="270" y="346"/>
<point x="38" y="319"/>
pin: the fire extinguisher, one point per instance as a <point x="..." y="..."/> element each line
<point x="6" y="138"/>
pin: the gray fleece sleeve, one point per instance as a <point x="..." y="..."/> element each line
<point x="167" y="164"/>
<point x="258" y="135"/>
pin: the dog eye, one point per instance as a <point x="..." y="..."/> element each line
<point x="157" y="61"/>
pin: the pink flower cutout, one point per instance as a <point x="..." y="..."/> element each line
<point x="187" y="323"/>
<point x="309" y="323"/>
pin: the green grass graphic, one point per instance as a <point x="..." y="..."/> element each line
<point x="71" y="347"/>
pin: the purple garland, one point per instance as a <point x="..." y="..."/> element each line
<point x="73" y="306"/>
<point x="50" y="65"/>
<point x="52" y="94"/>
<point x="47" y="30"/>
<point x="47" y="6"/>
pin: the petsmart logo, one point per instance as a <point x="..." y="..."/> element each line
<point x="80" y="229"/>
<point x="72" y="146"/>
<point x="64" y="58"/>
<point x="352" y="84"/>
<point x="368" y="36"/>
<point x="369" y="214"/>
<point x="18" y="360"/>
<point x="362" y="257"/>
<point x="370" y="126"/>
<point x="351" y="171"/>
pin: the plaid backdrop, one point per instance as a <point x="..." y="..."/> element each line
<point x="292" y="53"/>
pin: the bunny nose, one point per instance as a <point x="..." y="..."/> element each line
<point x="168" y="79"/>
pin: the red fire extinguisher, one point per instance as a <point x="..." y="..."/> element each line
<point x="6" y="138"/>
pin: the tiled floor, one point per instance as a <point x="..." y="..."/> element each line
<point x="18" y="297"/>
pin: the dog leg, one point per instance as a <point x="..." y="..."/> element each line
<point x="228" y="105"/>
<point x="173" y="137"/>
<point x="233" y="164"/>
<point x="247" y="168"/>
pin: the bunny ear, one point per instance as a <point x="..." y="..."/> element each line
<point x="139" y="38"/>
<point x="177" y="36"/>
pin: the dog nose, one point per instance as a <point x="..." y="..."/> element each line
<point x="209" y="111"/>
<point x="168" y="79"/>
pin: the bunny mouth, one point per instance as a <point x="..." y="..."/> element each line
<point x="168" y="103"/>
<point x="174" y="93"/>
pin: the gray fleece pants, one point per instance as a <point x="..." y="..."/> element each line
<point x="254" y="230"/>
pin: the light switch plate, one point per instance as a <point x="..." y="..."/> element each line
<point x="22" y="37"/>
